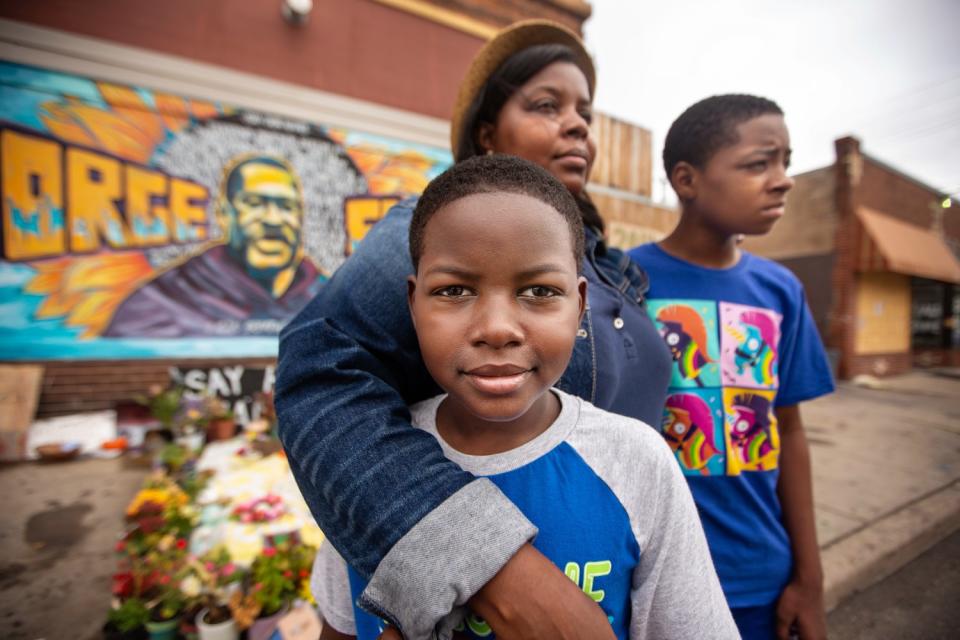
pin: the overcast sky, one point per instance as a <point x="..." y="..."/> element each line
<point x="886" y="71"/>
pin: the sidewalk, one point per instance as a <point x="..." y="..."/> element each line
<point x="886" y="466"/>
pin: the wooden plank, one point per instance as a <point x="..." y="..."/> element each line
<point x="19" y="393"/>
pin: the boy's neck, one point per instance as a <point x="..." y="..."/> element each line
<point x="699" y="243"/>
<point x="475" y="436"/>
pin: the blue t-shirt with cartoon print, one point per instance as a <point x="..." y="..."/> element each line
<point x="743" y="343"/>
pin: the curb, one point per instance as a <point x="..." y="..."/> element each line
<point x="872" y="553"/>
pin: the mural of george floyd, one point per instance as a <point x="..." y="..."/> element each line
<point x="138" y="224"/>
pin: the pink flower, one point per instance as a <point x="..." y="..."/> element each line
<point x="246" y="517"/>
<point x="209" y="566"/>
<point x="228" y="570"/>
<point x="288" y="574"/>
<point x="270" y="552"/>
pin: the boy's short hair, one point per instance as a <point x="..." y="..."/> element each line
<point x="710" y="125"/>
<point x="494" y="174"/>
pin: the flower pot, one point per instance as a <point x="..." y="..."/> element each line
<point x="226" y="630"/>
<point x="112" y="633"/>
<point x="164" y="630"/>
<point x="192" y="441"/>
<point x="221" y="429"/>
<point x="263" y="628"/>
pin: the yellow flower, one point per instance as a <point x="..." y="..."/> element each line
<point x="306" y="593"/>
<point x="190" y="586"/>
<point x="165" y="496"/>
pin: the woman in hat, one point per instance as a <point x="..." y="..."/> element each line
<point x="429" y="536"/>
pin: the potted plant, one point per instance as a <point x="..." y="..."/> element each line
<point x="126" y="621"/>
<point x="211" y="578"/>
<point x="162" y="403"/>
<point x="221" y="424"/>
<point x="165" y="607"/>
<point x="277" y="578"/>
<point x="167" y="564"/>
<point x="191" y="421"/>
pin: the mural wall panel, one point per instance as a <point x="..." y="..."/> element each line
<point x="142" y="224"/>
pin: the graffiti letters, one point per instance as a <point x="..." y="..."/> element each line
<point x="59" y="199"/>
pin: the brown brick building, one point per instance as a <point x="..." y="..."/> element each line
<point x="116" y="84"/>
<point x="877" y="253"/>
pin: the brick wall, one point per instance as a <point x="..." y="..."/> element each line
<point x="80" y="386"/>
<point x="883" y="189"/>
<point x="841" y="321"/>
<point x="356" y="48"/>
<point x="571" y="13"/>
<point x="815" y="273"/>
<point x="809" y="226"/>
<point x="878" y="364"/>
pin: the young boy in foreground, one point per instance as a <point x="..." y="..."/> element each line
<point x="746" y="353"/>
<point x="497" y="299"/>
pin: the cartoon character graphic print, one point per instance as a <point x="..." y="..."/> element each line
<point x="748" y="346"/>
<point x="719" y="418"/>
<point x="691" y="428"/>
<point x="689" y="328"/>
<point x="753" y="442"/>
<point x="755" y="350"/>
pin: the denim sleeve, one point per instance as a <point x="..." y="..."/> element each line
<point x="425" y="532"/>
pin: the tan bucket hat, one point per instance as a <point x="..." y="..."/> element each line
<point x="516" y="37"/>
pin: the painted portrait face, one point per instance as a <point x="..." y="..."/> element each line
<point x="497" y="303"/>
<point x="267" y="208"/>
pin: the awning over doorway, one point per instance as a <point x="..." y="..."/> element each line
<point x="894" y="245"/>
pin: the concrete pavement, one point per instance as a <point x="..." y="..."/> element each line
<point x="886" y="466"/>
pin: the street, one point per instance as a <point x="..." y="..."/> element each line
<point x="918" y="602"/>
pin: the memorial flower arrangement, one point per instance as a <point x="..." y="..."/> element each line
<point x="278" y="575"/>
<point x="261" y="509"/>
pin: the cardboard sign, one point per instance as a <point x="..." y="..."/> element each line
<point x="19" y="393"/>
<point x="236" y="385"/>
<point x="302" y="623"/>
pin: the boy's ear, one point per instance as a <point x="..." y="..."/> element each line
<point x="683" y="179"/>
<point x="582" y="292"/>
<point x="411" y="290"/>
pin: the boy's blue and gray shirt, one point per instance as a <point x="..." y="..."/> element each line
<point x="613" y="512"/>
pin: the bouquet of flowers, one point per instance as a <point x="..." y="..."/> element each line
<point x="262" y="509"/>
<point x="277" y="577"/>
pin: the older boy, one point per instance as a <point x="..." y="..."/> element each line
<point x="497" y="300"/>
<point x="746" y="353"/>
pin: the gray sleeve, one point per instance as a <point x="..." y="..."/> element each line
<point x="430" y="549"/>
<point x="331" y="589"/>
<point x="676" y="592"/>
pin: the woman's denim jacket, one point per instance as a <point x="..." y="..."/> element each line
<point x="396" y="509"/>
